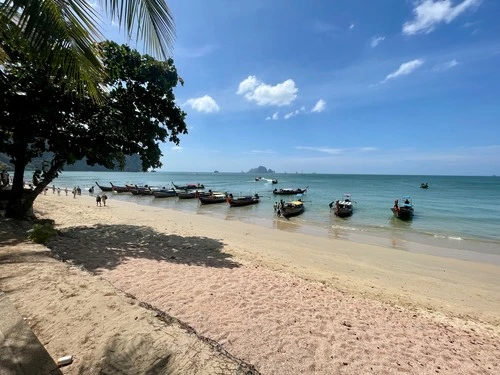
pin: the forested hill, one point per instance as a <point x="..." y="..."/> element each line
<point x="132" y="164"/>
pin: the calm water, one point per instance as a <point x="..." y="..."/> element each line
<point x="456" y="216"/>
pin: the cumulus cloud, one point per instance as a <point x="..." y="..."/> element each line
<point x="257" y="91"/>
<point x="404" y="69"/>
<point x="429" y="13"/>
<point x="376" y="41"/>
<point x="319" y="106"/>
<point x="204" y="104"/>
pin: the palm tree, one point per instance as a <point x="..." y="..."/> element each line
<point x="64" y="33"/>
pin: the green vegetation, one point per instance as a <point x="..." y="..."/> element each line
<point x="42" y="232"/>
<point x="64" y="35"/>
<point x="41" y="116"/>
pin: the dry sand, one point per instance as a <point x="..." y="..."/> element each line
<point x="287" y="303"/>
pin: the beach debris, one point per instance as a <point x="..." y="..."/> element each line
<point x="64" y="361"/>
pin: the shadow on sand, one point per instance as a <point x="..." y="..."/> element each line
<point x="106" y="246"/>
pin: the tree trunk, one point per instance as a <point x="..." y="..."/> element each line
<point x="20" y="202"/>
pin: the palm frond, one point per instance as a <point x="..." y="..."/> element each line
<point x="150" y="20"/>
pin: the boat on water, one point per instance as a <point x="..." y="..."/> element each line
<point x="104" y="188"/>
<point x="403" y="208"/>
<point x="189" y="186"/>
<point x="190" y="194"/>
<point x="424" y="185"/>
<point x="274" y="181"/>
<point x="119" y="189"/>
<point x="291" y="208"/>
<point x="258" y="178"/>
<point x="289" y="191"/>
<point x="164" y="193"/>
<point x="342" y="207"/>
<point x="212" y="198"/>
<point x="242" y="200"/>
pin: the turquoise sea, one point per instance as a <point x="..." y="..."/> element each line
<point x="456" y="216"/>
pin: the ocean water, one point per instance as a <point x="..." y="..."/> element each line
<point x="456" y="216"/>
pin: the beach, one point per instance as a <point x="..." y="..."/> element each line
<point x="282" y="301"/>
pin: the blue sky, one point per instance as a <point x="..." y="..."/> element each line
<point x="347" y="86"/>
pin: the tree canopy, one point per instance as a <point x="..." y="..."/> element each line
<point x="40" y="115"/>
<point x="64" y="33"/>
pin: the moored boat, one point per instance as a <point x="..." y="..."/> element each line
<point x="424" y="185"/>
<point x="403" y="210"/>
<point x="242" y="200"/>
<point x="274" y="181"/>
<point x="119" y="189"/>
<point x="212" y="197"/>
<point x="289" y="209"/>
<point x="289" y="191"/>
<point x="342" y="207"/>
<point x="104" y="188"/>
<point x="164" y="193"/>
<point x="189" y="186"/>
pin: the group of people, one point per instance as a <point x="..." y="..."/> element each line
<point x="99" y="199"/>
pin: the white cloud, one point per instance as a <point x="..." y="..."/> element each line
<point x="294" y="113"/>
<point x="273" y="117"/>
<point x="257" y="91"/>
<point x="327" y="150"/>
<point x="177" y="148"/>
<point x="430" y="13"/>
<point x="447" y="65"/>
<point x="404" y="69"/>
<point x="376" y="41"/>
<point x="319" y="106"/>
<point x="351" y="26"/>
<point x="204" y="104"/>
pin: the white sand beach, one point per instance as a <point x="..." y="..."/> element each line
<point x="286" y="303"/>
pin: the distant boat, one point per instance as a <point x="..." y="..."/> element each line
<point x="274" y="181"/>
<point x="424" y="185"/>
<point x="403" y="210"/>
<point x="288" y="191"/>
<point x="342" y="207"/>
<point x="258" y="178"/>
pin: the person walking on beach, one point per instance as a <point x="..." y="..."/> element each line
<point x="98" y="200"/>
<point x="58" y="191"/>
<point x="74" y="192"/>
<point x="66" y="190"/>
<point x="104" y="197"/>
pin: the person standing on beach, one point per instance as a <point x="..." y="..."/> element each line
<point x="74" y="192"/>
<point x="66" y="190"/>
<point x="98" y="200"/>
<point x="104" y="197"/>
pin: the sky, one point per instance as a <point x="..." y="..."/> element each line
<point x="346" y="86"/>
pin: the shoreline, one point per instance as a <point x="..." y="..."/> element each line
<point x="371" y="270"/>
<point x="285" y="302"/>
<point x="469" y="249"/>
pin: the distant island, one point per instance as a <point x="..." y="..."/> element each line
<point x="261" y="170"/>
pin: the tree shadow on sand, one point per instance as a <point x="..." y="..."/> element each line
<point x="107" y="246"/>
